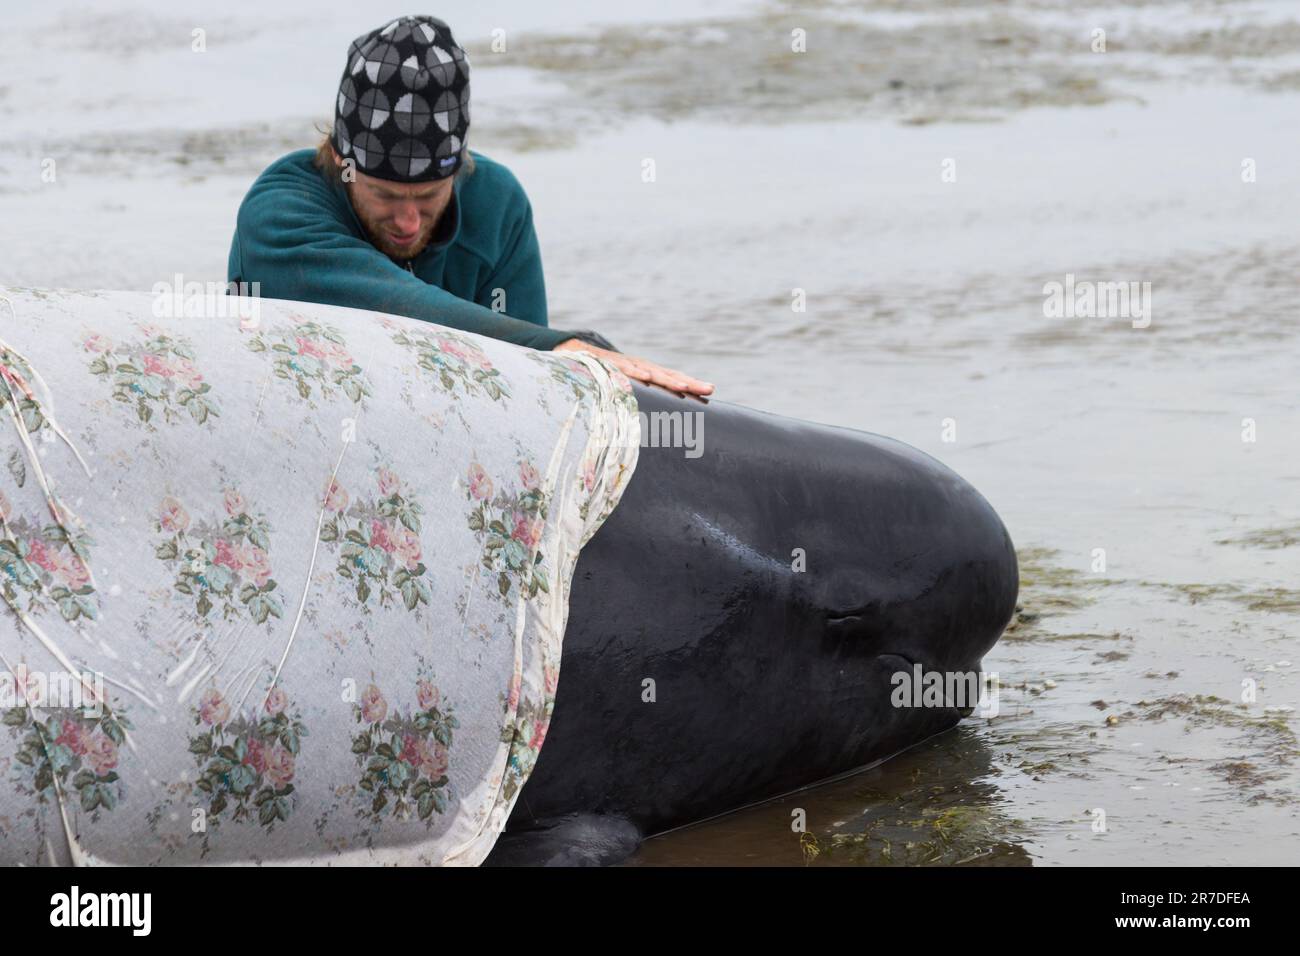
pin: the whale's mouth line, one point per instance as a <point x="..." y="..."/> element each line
<point x="911" y="662"/>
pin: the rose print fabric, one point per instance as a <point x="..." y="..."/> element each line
<point x="290" y="590"/>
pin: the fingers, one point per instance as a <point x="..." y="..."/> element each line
<point x="672" y="380"/>
<point x="634" y="369"/>
<point x="641" y="370"/>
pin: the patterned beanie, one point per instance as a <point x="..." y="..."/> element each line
<point x="403" y="106"/>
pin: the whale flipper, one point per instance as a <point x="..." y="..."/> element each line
<point x="575" y="839"/>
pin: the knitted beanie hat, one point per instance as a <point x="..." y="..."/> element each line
<point x="403" y="105"/>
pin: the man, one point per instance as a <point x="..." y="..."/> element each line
<point x="395" y="214"/>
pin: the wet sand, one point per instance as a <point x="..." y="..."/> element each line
<point x="1122" y="687"/>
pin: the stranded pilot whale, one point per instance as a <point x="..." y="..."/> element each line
<point x="704" y="666"/>
<point x="765" y="678"/>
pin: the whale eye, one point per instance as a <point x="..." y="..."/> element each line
<point x="862" y="628"/>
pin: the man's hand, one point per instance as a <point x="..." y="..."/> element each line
<point x="641" y="370"/>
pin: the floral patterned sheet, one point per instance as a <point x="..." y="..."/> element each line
<point x="290" y="589"/>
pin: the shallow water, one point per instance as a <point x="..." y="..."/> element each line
<point x="924" y="303"/>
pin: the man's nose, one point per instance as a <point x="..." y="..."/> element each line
<point x="407" y="218"/>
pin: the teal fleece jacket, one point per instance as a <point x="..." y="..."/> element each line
<point x="298" y="236"/>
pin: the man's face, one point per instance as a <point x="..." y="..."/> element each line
<point x="399" y="217"/>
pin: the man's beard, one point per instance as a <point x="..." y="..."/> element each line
<point x="377" y="236"/>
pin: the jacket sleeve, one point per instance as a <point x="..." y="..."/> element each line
<point x="519" y="273"/>
<point x="290" y="239"/>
